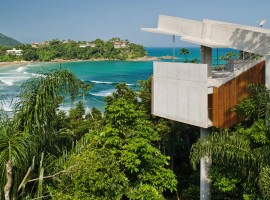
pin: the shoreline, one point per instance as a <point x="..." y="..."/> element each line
<point x="23" y="62"/>
<point x="145" y="58"/>
<point x="14" y="63"/>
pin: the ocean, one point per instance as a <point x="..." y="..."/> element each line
<point x="104" y="75"/>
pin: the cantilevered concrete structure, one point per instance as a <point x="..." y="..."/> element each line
<point x="215" y="34"/>
<point x="191" y="93"/>
<point x="196" y="94"/>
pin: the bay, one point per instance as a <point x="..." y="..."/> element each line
<point x="104" y="75"/>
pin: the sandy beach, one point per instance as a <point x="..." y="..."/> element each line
<point x="5" y="64"/>
<point x="145" y="58"/>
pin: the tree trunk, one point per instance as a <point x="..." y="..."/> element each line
<point x="25" y="177"/>
<point x="9" y="179"/>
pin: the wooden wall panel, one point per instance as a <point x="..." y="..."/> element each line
<point x="210" y="106"/>
<point x="225" y="97"/>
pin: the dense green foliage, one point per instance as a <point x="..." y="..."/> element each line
<point x="120" y="160"/>
<point x="7" y="41"/>
<point x="240" y="155"/>
<point x="71" y="50"/>
<point x="31" y="131"/>
<point x="125" y="152"/>
<point x="4" y="57"/>
<point x="121" y="154"/>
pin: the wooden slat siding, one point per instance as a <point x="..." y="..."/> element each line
<point x="215" y="107"/>
<point x="226" y="97"/>
<point x="210" y="106"/>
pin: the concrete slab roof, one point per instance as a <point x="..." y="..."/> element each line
<point x="204" y="42"/>
<point x="215" y="34"/>
<point x="161" y="31"/>
<point x="187" y="38"/>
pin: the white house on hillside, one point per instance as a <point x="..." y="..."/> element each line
<point x="92" y="45"/>
<point x="120" y="45"/>
<point x="14" y="52"/>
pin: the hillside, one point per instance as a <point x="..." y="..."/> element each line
<point x="7" y="41"/>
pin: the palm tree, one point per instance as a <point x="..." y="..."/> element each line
<point x="31" y="130"/>
<point x="185" y="52"/>
<point x="39" y="100"/>
<point x="235" y="151"/>
<point x="13" y="153"/>
<point x="264" y="180"/>
<point x="226" y="148"/>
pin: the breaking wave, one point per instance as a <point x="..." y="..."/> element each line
<point x="103" y="93"/>
<point x="108" y="82"/>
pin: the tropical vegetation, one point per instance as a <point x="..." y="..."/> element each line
<point x="185" y="52"/>
<point x="8" y="41"/>
<point x="125" y="152"/>
<point x="71" y="50"/>
<point x="46" y="153"/>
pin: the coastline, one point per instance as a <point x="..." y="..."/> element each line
<point x="145" y="58"/>
<point x="14" y="63"/>
<point x="7" y="64"/>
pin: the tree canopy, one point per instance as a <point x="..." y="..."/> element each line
<point x="125" y="152"/>
<point x="71" y="50"/>
<point x="8" y="41"/>
<point x="120" y="159"/>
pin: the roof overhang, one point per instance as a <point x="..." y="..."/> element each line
<point x="203" y="42"/>
<point x="186" y="38"/>
<point x="215" y="34"/>
<point x="161" y="31"/>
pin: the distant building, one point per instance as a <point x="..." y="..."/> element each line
<point x="45" y="43"/>
<point x="92" y="45"/>
<point x="66" y="41"/>
<point x="14" y="52"/>
<point x="35" y="44"/>
<point x="118" y="45"/>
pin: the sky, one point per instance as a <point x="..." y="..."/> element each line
<point x="85" y="20"/>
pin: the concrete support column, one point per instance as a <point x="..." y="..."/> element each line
<point x="267" y="71"/>
<point x="205" y="162"/>
<point x="206" y="55"/>
<point x="206" y="58"/>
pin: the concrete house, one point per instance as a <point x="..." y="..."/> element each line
<point x="196" y="94"/>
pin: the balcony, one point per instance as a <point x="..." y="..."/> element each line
<point x="196" y="95"/>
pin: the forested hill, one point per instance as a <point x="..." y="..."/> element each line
<point x="7" y="41"/>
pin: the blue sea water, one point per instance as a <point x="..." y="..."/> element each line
<point x="194" y="53"/>
<point x="104" y="75"/>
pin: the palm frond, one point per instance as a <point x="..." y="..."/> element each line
<point x="14" y="147"/>
<point x="264" y="182"/>
<point x="225" y="148"/>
